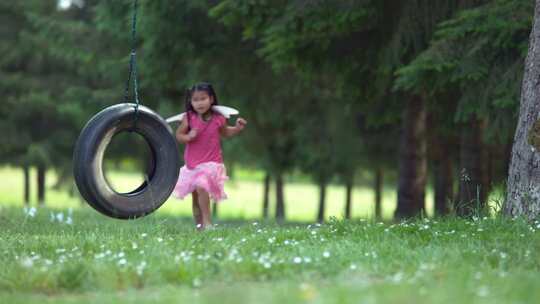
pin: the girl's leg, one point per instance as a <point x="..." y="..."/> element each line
<point x="204" y="205"/>
<point x="197" y="216"/>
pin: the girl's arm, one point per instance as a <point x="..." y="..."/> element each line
<point x="182" y="134"/>
<point x="227" y="131"/>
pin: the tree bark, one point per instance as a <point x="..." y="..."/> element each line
<point x="348" y="197"/>
<point x="280" y="199"/>
<point x="322" y="201"/>
<point x="523" y="192"/>
<point x="471" y="190"/>
<point x="215" y="211"/>
<point x="41" y="170"/>
<point x="412" y="160"/>
<point x="26" y="172"/>
<point x="266" y="196"/>
<point x="443" y="175"/>
<point x="378" y="192"/>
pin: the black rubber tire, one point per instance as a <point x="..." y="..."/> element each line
<point x="88" y="159"/>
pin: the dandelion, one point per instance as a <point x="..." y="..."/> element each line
<point x="144" y="235"/>
<point x="307" y="260"/>
<point x="134" y="246"/>
<point x="271" y="240"/>
<point x="297" y="260"/>
<point x="120" y="255"/>
<point x="196" y="282"/>
<point x="464" y="176"/>
<point x="243" y="240"/>
<point x="159" y="240"/>
<point x="286" y="242"/>
<point x="326" y="254"/>
<point x="267" y="265"/>
<point x="122" y="262"/>
<point x="353" y="267"/>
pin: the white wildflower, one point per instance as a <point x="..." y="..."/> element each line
<point x="140" y="268"/>
<point x="27" y="262"/>
<point x="31" y="212"/>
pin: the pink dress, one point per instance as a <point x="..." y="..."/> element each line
<point x="203" y="160"/>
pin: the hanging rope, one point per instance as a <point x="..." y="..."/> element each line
<point x="133" y="63"/>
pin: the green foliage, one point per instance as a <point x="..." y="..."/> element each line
<point x="480" y="53"/>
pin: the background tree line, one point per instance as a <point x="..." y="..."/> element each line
<point x="427" y="91"/>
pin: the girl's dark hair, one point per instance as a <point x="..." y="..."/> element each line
<point x="203" y="86"/>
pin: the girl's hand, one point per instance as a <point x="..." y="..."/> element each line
<point x="240" y="123"/>
<point x="192" y="134"/>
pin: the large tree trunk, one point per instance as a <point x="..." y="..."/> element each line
<point x="443" y="176"/>
<point x="471" y="190"/>
<point x="26" y="172"/>
<point x="412" y="160"/>
<point x="322" y="201"/>
<point x="41" y="170"/>
<point x="378" y="192"/>
<point x="523" y="192"/>
<point x="266" y="196"/>
<point x="280" y="199"/>
<point x="348" y="196"/>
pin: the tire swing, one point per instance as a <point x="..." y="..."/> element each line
<point x="96" y="135"/>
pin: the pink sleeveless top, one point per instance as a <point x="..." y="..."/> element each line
<point x="206" y="146"/>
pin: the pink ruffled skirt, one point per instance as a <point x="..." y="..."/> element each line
<point x="210" y="176"/>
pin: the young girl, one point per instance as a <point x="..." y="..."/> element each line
<point x="203" y="174"/>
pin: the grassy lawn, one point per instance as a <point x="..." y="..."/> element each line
<point x="68" y="253"/>
<point x="245" y="197"/>
<point x="160" y="258"/>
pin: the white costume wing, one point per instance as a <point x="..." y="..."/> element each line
<point x="223" y="110"/>
<point x="175" y="118"/>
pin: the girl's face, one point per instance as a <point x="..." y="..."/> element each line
<point x="201" y="101"/>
